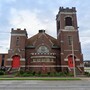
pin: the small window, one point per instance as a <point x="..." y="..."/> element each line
<point x="17" y="41"/>
<point x="3" y="57"/>
<point x="70" y="40"/>
<point x="68" y="21"/>
<point x="58" y="25"/>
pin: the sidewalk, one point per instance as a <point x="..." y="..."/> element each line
<point x="84" y="78"/>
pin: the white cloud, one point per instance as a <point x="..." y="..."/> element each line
<point x="41" y="2"/>
<point x="85" y="42"/>
<point x="9" y="1"/>
<point x="4" y="46"/>
<point x="30" y="21"/>
<point x="0" y="9"/>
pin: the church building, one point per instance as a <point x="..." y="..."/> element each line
<point x="44" y="53"/>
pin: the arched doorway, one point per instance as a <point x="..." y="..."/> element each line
<point x="70" y="61"/>
<point x="16" y="61"/>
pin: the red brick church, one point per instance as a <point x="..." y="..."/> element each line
<point x="44" y="53"/>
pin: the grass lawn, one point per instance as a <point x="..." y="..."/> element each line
<point x="40" y="78"/>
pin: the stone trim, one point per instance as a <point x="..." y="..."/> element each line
<point x="67" y="30"/>
<point x="65" y="59"/>
<point x="41" y="66"/>
<point x="20" y="66"/>
<point x="9" y="59"/>
<point x="75" y="60"/>
<point x="67" y="12"/>
<point x="43" y="57"/>
<point x="71" y="50"/>
<point x="64" y="65"/>
<point x="47" y="66"/>
<point x="18" y="34"/>
<point x="8" y="65"/>
<point x="21" y="59"/>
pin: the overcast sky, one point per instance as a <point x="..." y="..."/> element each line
<point x="41" y="14"/>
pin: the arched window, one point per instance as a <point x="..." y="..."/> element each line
<point x="68" y="21"/>
<point x="17" y="41"/>
<point x="70" y="40"/>
<point x="42" y="49"/>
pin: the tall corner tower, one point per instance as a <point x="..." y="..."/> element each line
<point x="16" y="53"/>
<point x="68" y="40"/>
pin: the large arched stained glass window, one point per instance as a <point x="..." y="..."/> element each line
<point x="43" y="49"/>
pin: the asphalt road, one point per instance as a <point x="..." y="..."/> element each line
<point x="45" y="85"/>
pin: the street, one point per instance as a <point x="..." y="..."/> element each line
<point x="45" y="85"/>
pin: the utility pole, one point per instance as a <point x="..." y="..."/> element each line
<point x="74" y="71"/>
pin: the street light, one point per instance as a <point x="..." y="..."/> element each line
<point x="74" y="71"/>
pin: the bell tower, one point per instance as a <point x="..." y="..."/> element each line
<point x="16" y="53"/>
<point x="68" y="40"/>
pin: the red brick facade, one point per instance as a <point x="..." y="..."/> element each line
<point x="43" y="53"/>
<point x="68" y="39"/>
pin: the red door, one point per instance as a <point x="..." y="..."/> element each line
<point x="70" y="61"/>
<point x="16" y="61"/>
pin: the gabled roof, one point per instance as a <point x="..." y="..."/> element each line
<point x="31" y="41"/>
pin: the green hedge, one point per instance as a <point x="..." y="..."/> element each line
<point x="39" y="74"/>
<point x="87" y="74"/>
<point x="2" y="72"/>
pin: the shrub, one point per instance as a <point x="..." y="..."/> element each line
<point x="52" y="74"/>
<point x="87" y="74"/>
<point x="25" y="75"/>
<point x="2" y="72"/>
<point x="22" y="72"/>
<point x="33" y="73"/>
<point x="60" y="74"/>
<point x="44" y="75"/>
<point x="48" y="73"/>
<point x="57" y="74"/>
<point x="39" y="73"/>
<point x="69" y="74"/>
